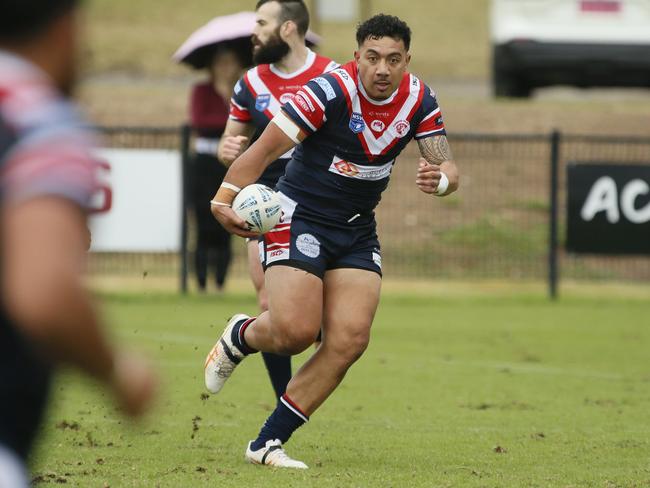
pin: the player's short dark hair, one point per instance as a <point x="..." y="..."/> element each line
<point x="382" y="25"/>
<point x="21" y="20"/>
<point x="294" y="10"/>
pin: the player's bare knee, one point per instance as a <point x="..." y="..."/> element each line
<point x="350" y="347"/>
<point x="294" y="341"/>
<point x="357" y="346"/>
<point x="293" y="333"/>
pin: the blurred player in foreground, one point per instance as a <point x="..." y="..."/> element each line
<point x="47" y="178"/>
<point x="323" y="261"/>
<point x="284" y="64"/>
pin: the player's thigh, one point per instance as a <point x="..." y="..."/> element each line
<point x="254" y="265"/>
<point x="351" y="298"/>
<point x="256" y="273"/>
<point x="295" y="300"/>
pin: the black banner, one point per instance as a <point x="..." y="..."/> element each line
<point x="608" y="208"/>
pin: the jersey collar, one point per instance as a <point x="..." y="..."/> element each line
<point x="362" y="89"/>
<point x="311" y="57"/>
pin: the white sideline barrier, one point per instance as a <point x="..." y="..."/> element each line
<point x="145" y="215"/>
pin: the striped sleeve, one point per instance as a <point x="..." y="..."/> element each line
<point x="240" y="102"/>
<point x="54" y="157"/>
<point x="309" y="106"/>
<point x="432" y="123"/>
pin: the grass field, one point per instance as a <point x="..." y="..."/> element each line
<point x="501" y="390"/>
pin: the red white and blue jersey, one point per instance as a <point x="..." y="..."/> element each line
<point x="260" y="94"/>
<point x="339" y="171"/>
<point x="46" y="148"/>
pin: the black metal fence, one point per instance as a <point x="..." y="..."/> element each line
<point x="499" y="225"/>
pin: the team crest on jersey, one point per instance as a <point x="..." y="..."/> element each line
<point x="286" y="98"/>
<point x="377" y="125"/>
<point x="262" y="102"/>
<point x="401" y="128"/>
<point x="356" y="123"/>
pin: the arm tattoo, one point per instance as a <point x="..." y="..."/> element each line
<point x="435" y="149"/>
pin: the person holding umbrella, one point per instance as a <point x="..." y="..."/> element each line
<point x="223" y="47"/>
<point x="208" y="117"/>
<point x="284" y="63"/>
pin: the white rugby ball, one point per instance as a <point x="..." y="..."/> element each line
<point x="259" y="206"/>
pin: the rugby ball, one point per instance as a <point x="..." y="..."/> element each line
<point x="259" y="206"/>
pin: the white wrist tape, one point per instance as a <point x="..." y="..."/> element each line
<point x="288" y="126"/>
<point x="219" y="204"/>
<point x="234" y="188"/>
<point x="443" y="184"/>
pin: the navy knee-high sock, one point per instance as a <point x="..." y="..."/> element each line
<point x="283" y="422"/>
<point x="279" y="368"/>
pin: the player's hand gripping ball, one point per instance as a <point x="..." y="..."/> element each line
<point x="259" y="206"/>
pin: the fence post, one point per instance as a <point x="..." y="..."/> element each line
<point x="185" y="155"/>
<point x="553" y="276"/>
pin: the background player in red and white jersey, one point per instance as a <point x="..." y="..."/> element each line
<point x="350" y="125"/>
<point x="284" y="64"/>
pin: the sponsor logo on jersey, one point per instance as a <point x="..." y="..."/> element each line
<point x="343" y="74"/>
<point x="345" y="168"/>
<point x="439" y="120"/>
<point x="401" y="128"/>
<point x="308" y="245"/>
<point x="356" y="123"/>
<point x="360" y="172"/>
<point x="303" y="103"/>
<point x="377" y="125"/>
<point x="326" y="87"/>
<point x="286" y="98"/>
<point x="262" y="102"/>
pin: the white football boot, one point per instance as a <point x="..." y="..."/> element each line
<point x="272" y="454"/>
<point x="223" y="357"/>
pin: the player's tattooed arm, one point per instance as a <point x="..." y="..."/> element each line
<point x="435" y="149"/>
<point x="436" y="159"/>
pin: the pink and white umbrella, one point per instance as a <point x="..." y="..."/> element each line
<point x="233" y="30"/>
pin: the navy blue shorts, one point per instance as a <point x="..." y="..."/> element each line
<point x="316" y="247"/>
